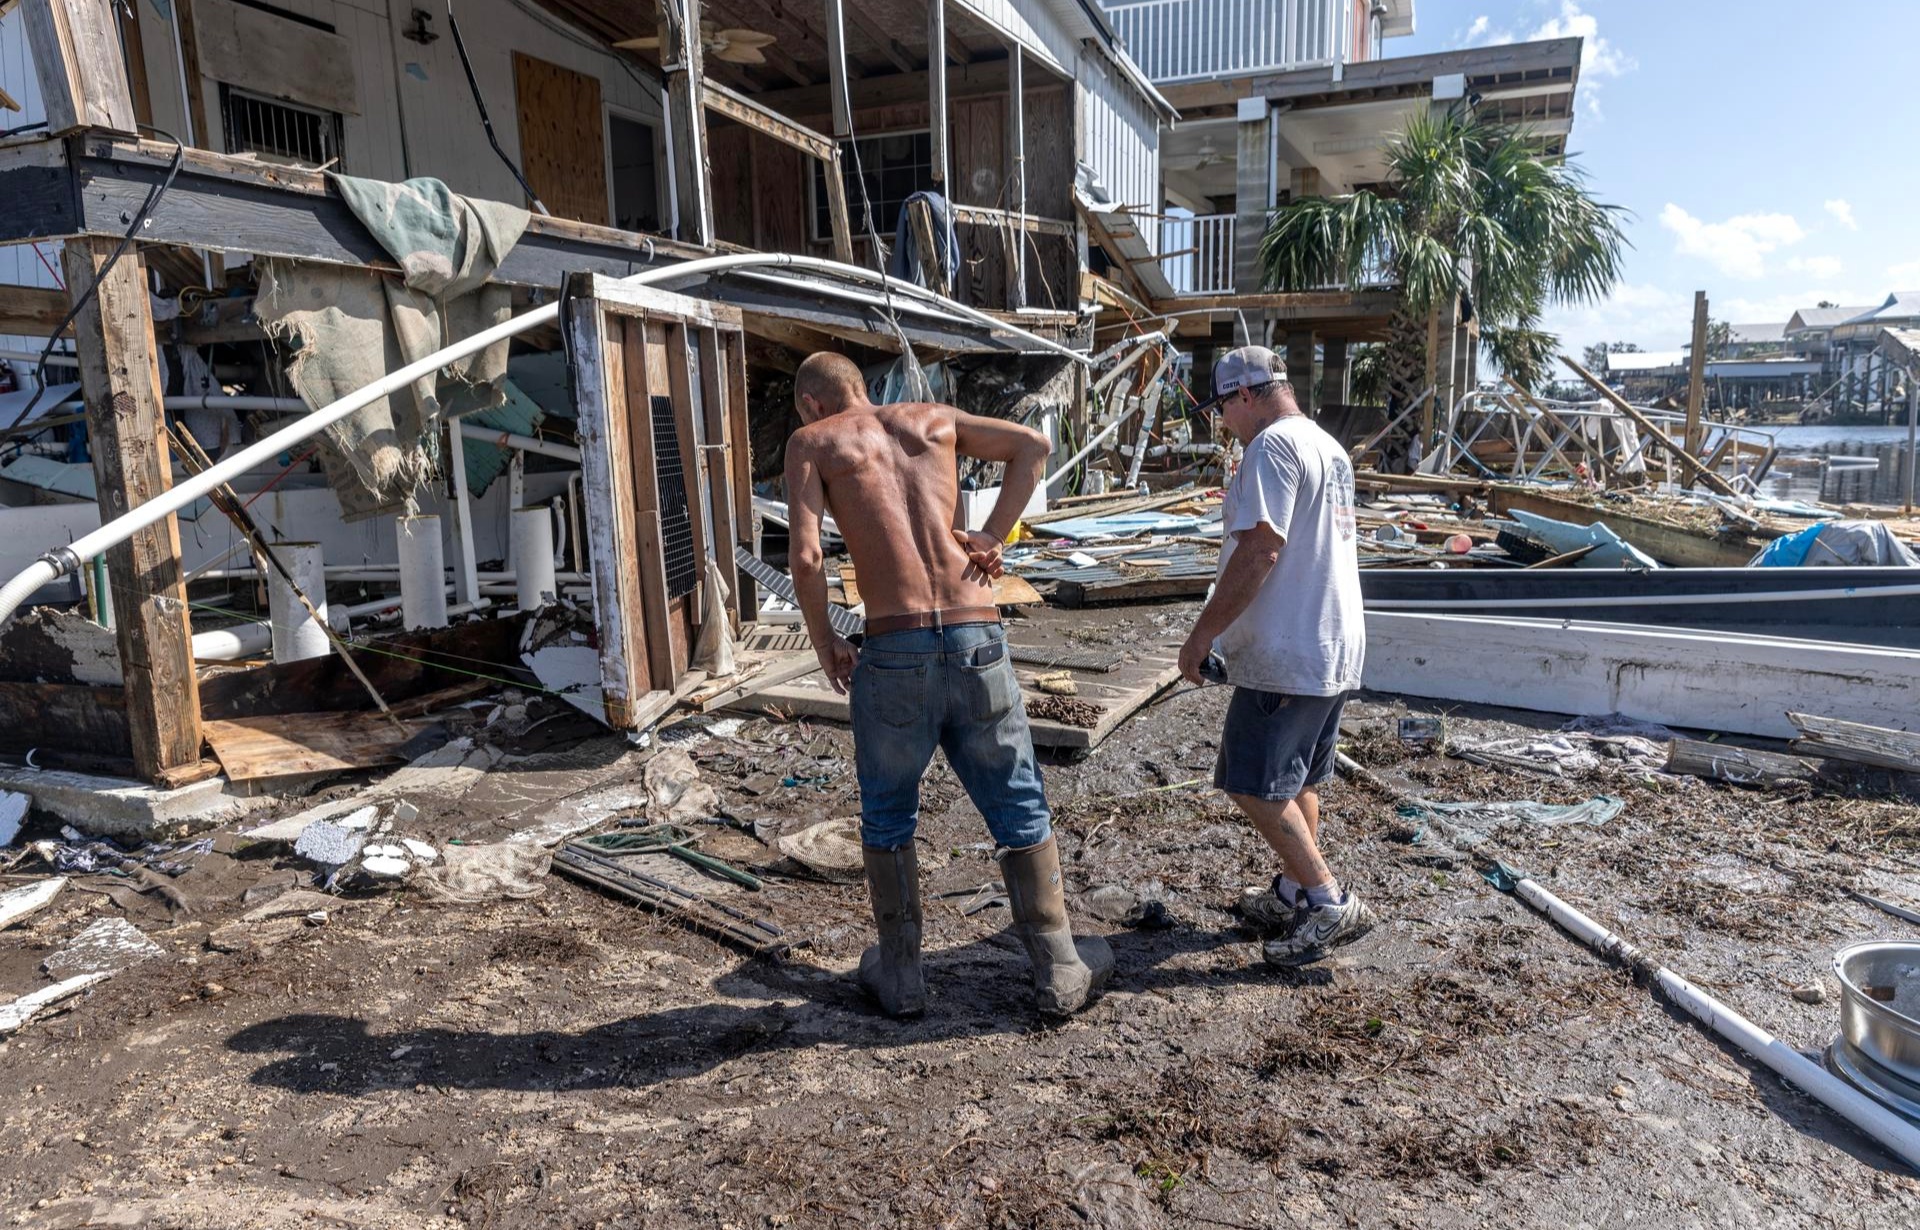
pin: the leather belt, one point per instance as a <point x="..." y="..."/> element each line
<point x="945" y="618"/>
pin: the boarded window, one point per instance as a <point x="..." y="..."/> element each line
<point x="563" y="148"/>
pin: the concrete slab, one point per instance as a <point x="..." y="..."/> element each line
<point x="120" y="807"/>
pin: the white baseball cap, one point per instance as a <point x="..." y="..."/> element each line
<point x="1245" y="367"/>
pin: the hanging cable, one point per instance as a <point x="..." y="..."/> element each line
<point x="486" y="121"/>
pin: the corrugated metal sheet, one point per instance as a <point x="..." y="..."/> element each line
<point x="1121" y="141"/>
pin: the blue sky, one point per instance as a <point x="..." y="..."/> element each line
<point x="1764" y="149"/>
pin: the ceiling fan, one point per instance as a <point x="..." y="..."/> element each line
<point x="734" y="45"/>
<point x="1199" y="160"/>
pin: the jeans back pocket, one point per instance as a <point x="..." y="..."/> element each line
<point x="891" y="692"/>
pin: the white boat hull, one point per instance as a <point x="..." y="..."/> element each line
<point x="1730" y="682"/>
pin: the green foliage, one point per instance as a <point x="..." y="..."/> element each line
<point x="1469" y="208"/>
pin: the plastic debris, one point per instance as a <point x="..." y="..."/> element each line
<point x="674" y="789"/>
<point x="106" y="946"/>
<point x="13" y="814"/>
<point x="830" y="849"/>
<point x="330" y="844"/>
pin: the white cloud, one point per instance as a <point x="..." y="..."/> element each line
<point x="1599" y="57"/>
<point x="1652" y="316"/>
<point x="1816" y="266"/>
<point x="1781" y="306"/>
<point x="1842" y="210"/>
<point x="1737" y="247"/>
<point x="1906" y="273"/>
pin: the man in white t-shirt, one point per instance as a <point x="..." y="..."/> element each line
<point x="1285" y="625"/>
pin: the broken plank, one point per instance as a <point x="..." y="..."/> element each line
<point x="18" y="903"/>
<point x="288" y="744"/>
<point x="771" y="671"/>
<point x="1877" y="746"/>
<point x="1742" y="766"/>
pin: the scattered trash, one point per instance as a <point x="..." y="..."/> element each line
<point x="985" y="895"/>
<point x="818" y="779"/>
<point x="684" y="906"/>
<point x="670" y="839"/>
<point x="330" y="844"/>
<point x="726" y="728"/>
<point x="1459" y="816"/>
<point x="674" y="789"/>
<point x="1116" y="903"/>
<point x="474" y="875"/>
<point x="17" y="1013"/>
<point x="1423" y="734"/>
<point x="830" y="849"/>
<point x="18" y="903"/>
<point x="105" y="946"/>
<point x="1812" y="993"/>
<point x="1057" y="683"/>
<point x="1620" y="724"/>
<point x="419" y="849"/>
<point x="79" y="854"/>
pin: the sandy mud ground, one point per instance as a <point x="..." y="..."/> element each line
<point x="569" y="1061"/>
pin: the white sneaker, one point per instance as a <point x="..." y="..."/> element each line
<point x="1318" y="928"/>
<point x="1265" y="910"/>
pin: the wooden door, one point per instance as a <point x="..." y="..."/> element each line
<point x="563" y="144"/>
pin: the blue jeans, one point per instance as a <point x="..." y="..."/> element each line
<point x="953" y="688"/>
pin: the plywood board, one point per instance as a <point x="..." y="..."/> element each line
<point x="1118" y="696"/>
<point x="280" y="58"/>
<point x="562" y="143"/>
<point x="289" y="744"/>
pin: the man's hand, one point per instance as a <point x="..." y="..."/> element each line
<point x="1193" y="654"/>
<point x="837" y="659"/>
<point x="983" y="555"/>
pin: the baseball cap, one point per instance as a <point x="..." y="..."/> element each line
<point x="1245" y="367"/>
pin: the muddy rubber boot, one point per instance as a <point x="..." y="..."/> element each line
<point x="890" y="970"/>
<point x="1067" y="973"/>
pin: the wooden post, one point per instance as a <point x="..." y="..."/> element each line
<point x="1253" y="188"/>
<point x="76" y="54"/>
<point x="120" y="380"/>
<point x="1687" y="460"/>
<point x="1299" y="358"/>
<point x="937" y="95"/>
<point x="1017" y="175"/>
<point x="682" y="61"/>
<point x="932" y="253"/>
<point x="842" y="132"/>
<point x="1697" y="375"/>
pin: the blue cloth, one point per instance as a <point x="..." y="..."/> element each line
<point x="951" y="688"/>
<point x="1789" y="551"/>
<point x="905" y="262"/>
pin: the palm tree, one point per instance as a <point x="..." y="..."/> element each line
<point x="1470" y="208"/>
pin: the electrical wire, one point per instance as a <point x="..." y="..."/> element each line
<point x="486" y="121"/>
<point x="85" y="297"/>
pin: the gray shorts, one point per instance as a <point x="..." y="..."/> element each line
<point x="1275" y="744"/>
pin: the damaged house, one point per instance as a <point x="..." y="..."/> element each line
<point x="217" y="226"/>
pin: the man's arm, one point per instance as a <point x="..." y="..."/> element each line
<point x="1255" y="553"/>
<point x="1024" y="452"/>
<point x="806" y="501"/>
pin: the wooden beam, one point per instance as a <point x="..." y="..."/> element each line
<point x="1687" y="460"/>
<point x="1877" y="746"/>
<point x="715" y="459"/>
<point x="681" y="60"/>
<point x="76" y="54"/>
<point x="744" y="110"/>
<point x="1697" y="374"/>
<point x="981" y="215"/>
<point x="31" y="311"/>
<point x="920" y="217"/>
<point x="842" y="108"/>
<point x="896" y="89"/>
<point x="120" y="380"/>
<point x="790" y="68"/>
<point x="889" y="45"/>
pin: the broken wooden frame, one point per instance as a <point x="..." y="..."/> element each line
<point x="660" y="382"/>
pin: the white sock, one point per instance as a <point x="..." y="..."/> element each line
<point x="1324" y="894"/>
<point x="1287" y="889"/>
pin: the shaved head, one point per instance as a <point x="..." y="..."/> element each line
<point x="827" y="383"/>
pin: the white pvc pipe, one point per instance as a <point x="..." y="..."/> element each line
<point x="1790" y="595"/>
<point x="422" y="572"/>
<point x="32" y="358"/>
<point x="63" y="560"/>
<point x="526" y="444"/>
<point x="1895" y="1133"/>
<point x="297" y="635"/>
<point x="534" y="584"/>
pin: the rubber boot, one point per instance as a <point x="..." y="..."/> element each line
<point x="1066" y="972"/>
<point x="890" y="970"/>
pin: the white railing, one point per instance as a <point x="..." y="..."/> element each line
<point x="1193" y="40"/>
<point x="1199" y="258"/>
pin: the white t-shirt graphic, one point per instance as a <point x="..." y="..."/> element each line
<point x="1305" y="631"/>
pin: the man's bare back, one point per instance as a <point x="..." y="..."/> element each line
<point x="889" y="474"/>
<point x="891" y="483"/>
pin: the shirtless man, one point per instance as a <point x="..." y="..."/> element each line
<point x="933" y="668"/>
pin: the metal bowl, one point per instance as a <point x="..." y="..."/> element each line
<point x="1879" y="1044"/>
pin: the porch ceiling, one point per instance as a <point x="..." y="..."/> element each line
<point x="883" y="37"/>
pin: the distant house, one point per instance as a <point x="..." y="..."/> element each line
<point x="1744" y="340"/>
<point x="1647" y="374"/>
<point x="1868" y="380"/>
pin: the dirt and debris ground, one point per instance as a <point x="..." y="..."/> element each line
<point x="572" y="1062"/>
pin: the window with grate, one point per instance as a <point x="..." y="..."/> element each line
<point x="896" y="166"/>
<point x="278" y="131"/>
